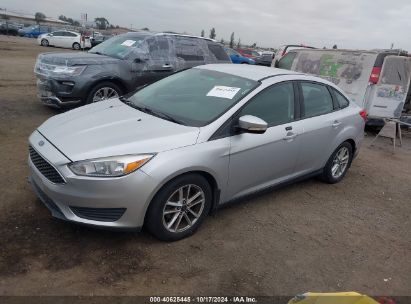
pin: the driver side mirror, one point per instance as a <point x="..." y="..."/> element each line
<point x="252" y="124"/>
<point x="50" y="35"/>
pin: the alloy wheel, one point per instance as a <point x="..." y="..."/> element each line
<point x="183" y="208"/>
<point x="104" y="93"/>
<point x="340" y="162"/>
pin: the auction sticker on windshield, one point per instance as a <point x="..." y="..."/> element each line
<point x="223" y="92"/>
<point x="128" y="43"/>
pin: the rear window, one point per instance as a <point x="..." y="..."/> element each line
<point x="287" y="61"/>
<point x="189" y="49"/>
<point x="68" y="34"/>
<point x="342" y="101"/>
<point x="317" y="99"/>
<point x="218" y="52"/>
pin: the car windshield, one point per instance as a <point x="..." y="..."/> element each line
<point x="120" y="46"/>
<point x="193" y="97"/>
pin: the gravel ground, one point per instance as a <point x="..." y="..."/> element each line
<point x="309" y="236"/>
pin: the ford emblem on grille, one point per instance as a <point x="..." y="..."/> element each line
<point x="41" y="143"/>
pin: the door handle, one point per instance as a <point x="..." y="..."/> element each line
<point x="290" y="136"/>
<point x="167" y="66"/>
<point x="336" y="123"/>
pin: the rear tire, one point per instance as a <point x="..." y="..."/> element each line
<point x="107" y="88"/>
<point x="76" y="46"/>
<point x="179" y="208"/>
<point x="338" y="164"/>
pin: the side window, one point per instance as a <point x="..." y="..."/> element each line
<point x="189" y="49"/>
<point x="218" y="52"/>
<point x="342" y="101"/>
<point x="275" y="104"/>
<point x="158" y="48"/>
<point x="58" y="34"/>
<point x="68" y="34"/>
<point x="317" y="99"/>
<point x="287" y="61"/>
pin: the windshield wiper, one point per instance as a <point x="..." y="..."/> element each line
<point x="155" y="113"/>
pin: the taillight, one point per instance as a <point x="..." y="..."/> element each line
<point x="284" y="52"/>
<point x="375" y="75"/>
<point x="363" y="114"/>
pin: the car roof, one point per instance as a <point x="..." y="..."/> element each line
<point x="146" y="33"/>
<point x="253" y="72"/>
<point x="336" y="51"/>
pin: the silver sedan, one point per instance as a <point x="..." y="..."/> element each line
<point x="175" y="150"/>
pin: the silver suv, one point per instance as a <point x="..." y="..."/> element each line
<point x="181" y="147"/>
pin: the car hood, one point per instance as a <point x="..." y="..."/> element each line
<point x="110" y="128"/>
<point x="75" y="58"/>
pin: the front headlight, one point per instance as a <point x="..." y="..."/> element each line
<point x="111" y="166"/>
<point x="69" y="70"/>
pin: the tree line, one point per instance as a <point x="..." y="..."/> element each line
<point x="101" y="22"/>
<point x="233" y="43"/>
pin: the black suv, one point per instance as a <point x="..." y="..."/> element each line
<point x="119" y="65"/>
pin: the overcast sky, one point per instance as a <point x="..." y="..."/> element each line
<point x="362" y="24"/>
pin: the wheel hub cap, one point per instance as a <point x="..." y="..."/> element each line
<point x="183" y="208"/>
<point x="340" y="162"/>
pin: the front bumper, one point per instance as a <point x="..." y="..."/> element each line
<point x="79" y="196"/>
<point x="57" y="93"/>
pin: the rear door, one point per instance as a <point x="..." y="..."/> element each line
<point x="261" y="160"/>
<point x="321" y="125"/>
<point x="389" y="94"/>
<point x="69" y="39"/>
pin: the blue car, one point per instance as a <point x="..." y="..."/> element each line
<point x="34" y="31"/>
<point x="236" y="57"/>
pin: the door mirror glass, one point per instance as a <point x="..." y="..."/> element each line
<point x="252" y="124"/>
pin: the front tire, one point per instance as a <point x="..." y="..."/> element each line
<point x="44" y="42"/>
<point x="179" y="208"/>
<point x="338" y="164"/>
<point x="102" y="91"/>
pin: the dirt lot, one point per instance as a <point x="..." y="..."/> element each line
<point x="310" y="236"/>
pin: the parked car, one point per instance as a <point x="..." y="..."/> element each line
<point x="64" y="39"/>
<point x="9" y="29"/>
<point x="120" y="65"/>
<point x="376" y="80"/>
<point x="97" y="39"/>
<point x="248" y="53"/>
<point x="284" y="49"/>
<point x="167" y="155"/>
<point x="236" y="57"/>
<point x="34" y="31"/>
<point x="264" y="59"/>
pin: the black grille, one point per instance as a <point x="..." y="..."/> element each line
<point x="99" y="214"/>
<point x="45" y="168"/>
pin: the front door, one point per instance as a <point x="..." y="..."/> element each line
<point x="158" y="61"/>
<point x="261" y="160"/>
